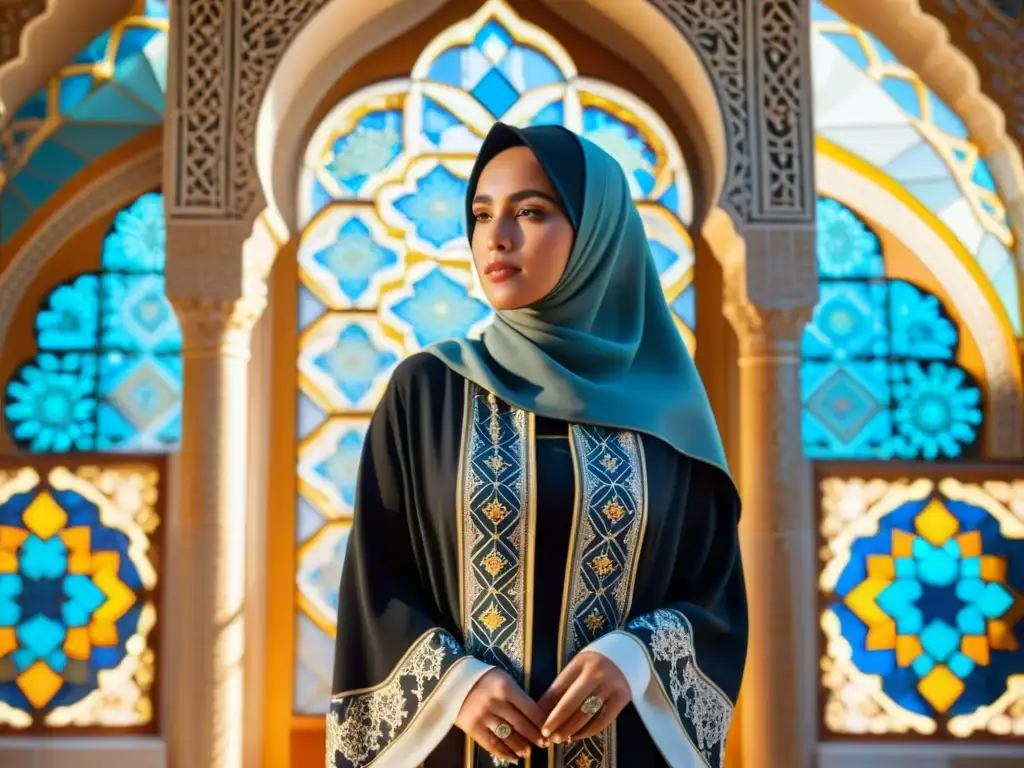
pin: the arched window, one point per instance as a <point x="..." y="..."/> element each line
<point x="384" y="266"/>
<point x="107" y="376"/>
<point x="879" y="373"/>
<point x="920" y="576"/>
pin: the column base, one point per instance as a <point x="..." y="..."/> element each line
<point x="91" y="752"/>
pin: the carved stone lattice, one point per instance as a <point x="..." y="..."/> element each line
<point x="995" y="43"/>
<point x="757" y="56"/>
<point x="14" y="15"/>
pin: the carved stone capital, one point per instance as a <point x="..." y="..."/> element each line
<point x="767" y="334"/>
<point x="215" y="328"/>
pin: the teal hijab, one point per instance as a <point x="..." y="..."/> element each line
<point x="601" y="348"/>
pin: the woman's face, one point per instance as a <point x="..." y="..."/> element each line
<point x="522" y="239"/>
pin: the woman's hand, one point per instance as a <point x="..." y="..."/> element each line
<point x="589" y="674"/>
<point x="497" y="700"/>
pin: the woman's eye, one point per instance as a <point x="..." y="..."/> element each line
<point x="481" y="216"/>
<point x="529" y="213"/>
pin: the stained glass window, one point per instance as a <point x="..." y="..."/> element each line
<point x="107" y="375"/>
<point x="77" y="601"/>
<point x="111" y="92"/>
<point x="870" y="107"/>
<point x="922" y="580"/>
<point x="879" y="372"/>
<point x="384" y="266"/>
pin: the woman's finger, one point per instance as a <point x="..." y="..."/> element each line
<point x="558" y="688"/>
<point x="567" y="705"/>
<point x="520" y="723"/>
<point x="593" y="726"/>
<point x="518" y="744"/>
<point x="486" y="739"/>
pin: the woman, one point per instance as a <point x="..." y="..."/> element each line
<point x="544" y="567"/>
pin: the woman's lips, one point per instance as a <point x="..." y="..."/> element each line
<point x="499" y="272"/>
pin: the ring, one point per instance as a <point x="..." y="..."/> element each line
<point x="502" y="730"/>
<point x="592" y="705"/>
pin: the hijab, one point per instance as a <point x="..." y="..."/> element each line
<point x="601" y="348"/>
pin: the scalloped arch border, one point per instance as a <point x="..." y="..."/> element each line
<point x="46" y="45"/>
<point x="922" y="42"/>
<point x="139" y="174"/>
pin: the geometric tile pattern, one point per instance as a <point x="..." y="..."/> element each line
<point x="111" y="92"/>
<point x="384" y="266"/>
<point x="879" y="372"/>
<point x="870" y="104"/>
<point x="107" y="375"/>
<point x="77" y="606"/>
<point x="924" y="617"/>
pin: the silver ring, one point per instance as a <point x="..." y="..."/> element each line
<point x="592" y="705"/>
<point x="502" y="730"/>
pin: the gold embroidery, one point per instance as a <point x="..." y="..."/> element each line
<point x="602" y="565"/>
<point x="492" y="618"/>
<point x="495" y="425"/>
<point x="608" y="528"/>
<point x="496" y="511"/>
<point x="594" y="622"/>
<point x="493" y="563"/>
<point x="614" y="510"/>
<point x="496" y="463"/>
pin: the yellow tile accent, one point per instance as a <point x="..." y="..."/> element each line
<point x="970" y="543"/>
<point x="79" y="544"/>
<point x="8" y="640"/>
<point x="993" y="568"/>
<point x="902" y="544"/>
<point x="941" y="688"/>
<point x="102" y="634"/>
<point x="936" y="524"/>
<point x="881" y="567"/>
<point x="10" y="540"/>
<point x="76" y="644"/>
<point x="861" y="600"/>
<point x="976" y="647"/>
<point x="39" y="683"/>
<point x="106" y="561"/>
<point x="882" y="637"/>
<point x="908" y="648"/>
<point x="119" y="597"/>
<point x="1000" y="636"/>
<point x="44" y="516"/>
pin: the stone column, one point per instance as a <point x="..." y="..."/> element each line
<point x="777" y="528"/>
<point x="205" y="697"/>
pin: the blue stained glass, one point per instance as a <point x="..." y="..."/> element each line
<point x="72" y="91"/>
<point x="447" y="68"/>
<point x="878" y="376"/>
<point x="822" y="13"/>
<point x="932" y="601"/>
<point x="47" y="596"/>
<point x="623" y="142"/>
<point x="945" y="119"/>
<point x="496" y="93"/>
<point x="138" y="242"/>
<point x="527" y="69"/>
<point x="354" y="258"/>
<point x="849" y="321"/>
<point x="437" y="120"/>
<point x="440" y="308"/>
<point x="982" y="176"/>
<point x="366" y="150"/>
<point x="846" y="247"/>
<point x="493" y="40"/>
<point x="354" y="362"/>
<point x="108" y="372"/>
<point x="137" y="317"/>
<point x="685" y="306"/>
<point x="664" y="257"/>
<point x="905" y="94"/>
<point x="850" y="47"/>
<point x="552" y="114"/>
<point x="70" y="317"/>
<point x="919" y="325"/>
<point x="341" y="467"/>
<point x="96" y="51"/>
<point x="51" y="403"/>
<point x="436" y="208"/>
<point x="134" y="41"/>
